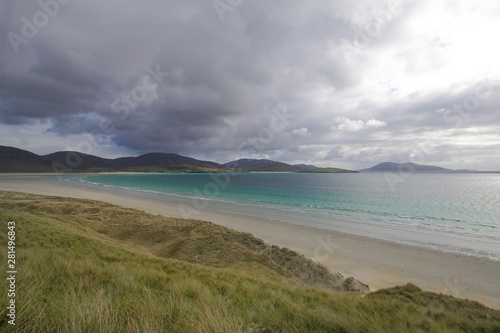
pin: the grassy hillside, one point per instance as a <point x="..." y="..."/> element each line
<point x="271" y="167"/>
<point x="328" y="170"/>
<point x="87" y="266"/>
<point x="252" y="165"/>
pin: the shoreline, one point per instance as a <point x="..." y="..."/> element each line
<point x="378" y="263"/>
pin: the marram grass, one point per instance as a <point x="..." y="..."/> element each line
<point x="75" y="275"/>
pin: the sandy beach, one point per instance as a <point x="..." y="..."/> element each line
<point x="379" y="264"/>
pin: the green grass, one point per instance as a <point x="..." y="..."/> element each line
<point x="84" y="266"/>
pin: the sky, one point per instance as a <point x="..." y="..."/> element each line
<point x="338" y="83"/>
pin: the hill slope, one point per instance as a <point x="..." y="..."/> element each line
<point x="79" y="270"/>
<point x="18" y="160"/>
<point x="245" y="163"/>
<point x="272" y="167"/>
<point x="305" y="166"/>
<point x="408" y="167"/>
<point x="256" y="165"/>
<point x="79" y="161"/>
<point x="328" y="170"/>
<point x="259" y="165"/>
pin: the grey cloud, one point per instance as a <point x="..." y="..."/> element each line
<point x="334" y="153"/>
<point x="224" y="78"/>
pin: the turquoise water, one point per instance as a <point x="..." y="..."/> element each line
<point x="452" y="212"/>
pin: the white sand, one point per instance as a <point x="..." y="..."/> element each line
<point x="379" y="264"/>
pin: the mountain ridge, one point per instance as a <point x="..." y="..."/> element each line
<point x="14" y="159"/>
<point x="412" y="167"/>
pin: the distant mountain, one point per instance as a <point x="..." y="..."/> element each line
<point x="245" y="163"/>
<point x="272" y="167"/>
<point x="79" y="161"/>
<point x="305" y="166"/>
<point x="151" y="162"/>
<point x="328" y="170"/>
<point x="259" y="165"/>
<point x="172" y="161"/>
<point x="410" y="167"/>
<point x="18" y="160"/>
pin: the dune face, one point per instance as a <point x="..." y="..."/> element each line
<point x="193" y="241"/>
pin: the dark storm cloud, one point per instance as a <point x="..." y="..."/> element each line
<point x="221" y="70"/>
<point x="172" y="76"/>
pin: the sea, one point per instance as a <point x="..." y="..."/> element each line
<point x="458" y="213"/>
